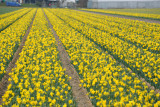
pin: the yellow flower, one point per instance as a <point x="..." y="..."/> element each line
<point x="19" y="100"/>
<point x="70" y="78"/>
<point x="53" y="101"/>
<point x="98" y="103"/>
<point x="70" y="101"/>
<point x="116" y="94"/>
<point x="120" y="89"/>
<point x="157" y="95"/>
<point x="52" y="94"/>
<point x="58" y="93"/>
<point x="65" y="105"/>
<point x="75" y="63"/>
<point x="106" y="93"/>
<point x="69" y="87"/>
<point x="80" y="85"/>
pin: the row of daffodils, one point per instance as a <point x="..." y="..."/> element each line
<point x="107" y="82"/>
<point x="10" y="13"/>
<point x="143" y="15"/>
<point x="142" y="34"/>
<point x="5" y="22"/>
<point x="140" y="60"/>
<point x="38" y="79"/>
<point x="11" y="39"/>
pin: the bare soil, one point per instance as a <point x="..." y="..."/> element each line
<point x="125" y="17"/>
<point x="4" y="82"/>
<point x="79" y="93"/>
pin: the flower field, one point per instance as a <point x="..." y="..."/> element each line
<point x="131" y="12"/>
<point x="11" y="38"/>
<point x="5" y="22"/>
<point x="38" y="79"/>
<point x="110" y="55"/>
<point x="141" y="60"/>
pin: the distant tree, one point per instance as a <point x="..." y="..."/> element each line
<point x="61" y="2"/>
<point x="39" y="2"/>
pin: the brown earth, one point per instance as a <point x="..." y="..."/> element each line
<point x="79" y="93"/>
<point x="4" y="82"/>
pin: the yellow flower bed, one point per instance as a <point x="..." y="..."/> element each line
<point x="142" y="34"/>
<point x="141" y="61"/>
<point x="11" y="39"/>
<point x="108" y="83"/>
<point x="11" y="13"/>
<point x="38" y="79"/>
<point x="153" y="16"/>
<point x="10" y="19"/>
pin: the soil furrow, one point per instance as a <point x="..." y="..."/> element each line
<point x="125" y="17"/>
<point x="114" y="57"/>
<point x="123" y="39"/>
<point x="4" y="82"/>
<point x="79" y="93"/>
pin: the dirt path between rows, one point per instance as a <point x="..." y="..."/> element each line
<point x="79" y="93"/>
<point x="147" y="20"/>
<point x="125" y="17"/>
<point x="4" y="82"/>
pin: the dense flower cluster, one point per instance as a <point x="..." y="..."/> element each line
<point x="144" y="15"/>
<point x="139" y="59"/>
<point x="38" y="79"/>
<point x="142" y="34"/>
<point x="10" y="39"/>
<point x="10" y="19"/>
<point x="107" y="82"/>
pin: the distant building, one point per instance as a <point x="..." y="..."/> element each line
<point x="20" y="1"/>
<point x="57" y="3"/>
<point x="105" y="4"/>
<point x="77" y="1"/>
<point x="82" y="3"/>
<point x="53" y="3"/>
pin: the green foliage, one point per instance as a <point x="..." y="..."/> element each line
<point x="7" y="9"/>
<point x="29" y="5"/>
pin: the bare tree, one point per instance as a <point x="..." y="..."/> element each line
<point x="61" y="2"/>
